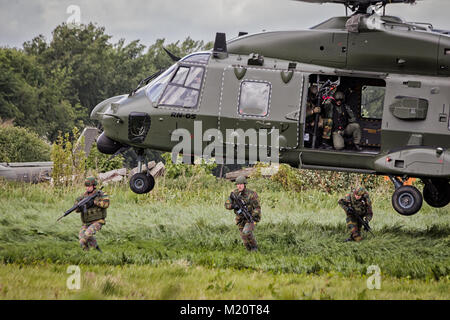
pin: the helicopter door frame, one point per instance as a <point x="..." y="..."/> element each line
<point x="369" y="115"/>
<point x="284" y="98"/>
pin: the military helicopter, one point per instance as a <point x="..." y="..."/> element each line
<point x="393" y="74"/>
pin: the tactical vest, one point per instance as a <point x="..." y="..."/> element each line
<point x="360" y="206"/>
<point x="340" y="118"/>
<point x="93" y="213"/>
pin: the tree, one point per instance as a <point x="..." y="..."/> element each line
<point x="30" y="98"/>
<point x="21" y="145"/>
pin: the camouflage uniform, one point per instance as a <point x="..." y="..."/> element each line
<point x="246" y="228"/>
<point x="327" y="115"/>
<point x="93" y="219"/>
<point x="311" y="106"/>
<point x="361" y="207"/>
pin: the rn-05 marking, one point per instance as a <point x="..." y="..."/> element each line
<point x="191" y="116"/>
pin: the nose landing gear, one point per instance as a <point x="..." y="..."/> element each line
<point x="141" y="182"/>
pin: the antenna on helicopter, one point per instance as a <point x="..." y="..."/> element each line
<point x="220" y="46"/>
<point x="172" y="56"/>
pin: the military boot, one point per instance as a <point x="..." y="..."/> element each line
<point x="349" y="239"/>
<point x="325" y="145"/>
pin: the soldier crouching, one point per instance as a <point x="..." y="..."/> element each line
<point x="251" y="202"/>
<point x="357" y="206"/>
<point x="93" y="218"/>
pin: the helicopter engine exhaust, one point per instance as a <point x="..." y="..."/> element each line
<point x="106" y="145"/>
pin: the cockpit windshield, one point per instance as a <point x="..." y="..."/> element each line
<point x="156" y="87"/>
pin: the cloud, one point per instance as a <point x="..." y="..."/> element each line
<point x="22" y="20"/>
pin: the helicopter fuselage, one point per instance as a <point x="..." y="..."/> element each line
<point x="395" y="79"/>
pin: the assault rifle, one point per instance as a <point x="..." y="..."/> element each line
<point x="83" y="205"/>
<point x="239" y="204"/>
<point x="363" y="222"/>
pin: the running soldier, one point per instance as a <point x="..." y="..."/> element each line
<point x="93" y="218"/>
<point x="356" y="204"/>
<point x="251" y="200"/>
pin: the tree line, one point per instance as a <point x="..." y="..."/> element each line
<point x="51" y="86"/>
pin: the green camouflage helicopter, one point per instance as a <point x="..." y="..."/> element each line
<point x="392" y="74"/>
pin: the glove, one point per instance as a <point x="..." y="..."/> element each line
<point x="90" y="203"/>
<point x="367" y="222"/>
<point x="350" y="210"/>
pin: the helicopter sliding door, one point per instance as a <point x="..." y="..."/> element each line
<point x="255" y="106"/>
<point x="416" y="113"/>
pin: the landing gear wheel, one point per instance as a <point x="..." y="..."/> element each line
<point x="141" y="183"/>
<point x="407" y="200"/>
<point x="437" y="194"/>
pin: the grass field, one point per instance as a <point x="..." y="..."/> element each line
<point x="178" y="242"/>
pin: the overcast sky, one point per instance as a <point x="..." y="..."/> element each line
<point x="148" y="20"/>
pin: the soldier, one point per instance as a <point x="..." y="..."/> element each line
<point x="94" y="216"/>
<point x="312" y="109"/>
<point x="252" y="202"/>
<point x="327" y="122"/>
<point x="344" y="123"/>
<point x="357" y="203"/>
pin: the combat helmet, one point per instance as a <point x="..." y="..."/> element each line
<point x="359" y="191"/>
<point x="241" y="180"/>
<point x="90" y="181"/>
<point x="339" y="95"/>
<point x="313" y="91"/>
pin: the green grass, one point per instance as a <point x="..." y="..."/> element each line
<point x="180" y="280"/>
<point x="184" y="221"/>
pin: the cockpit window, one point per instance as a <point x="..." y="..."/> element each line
<point x="184" y="89"/>
<point x="194" y="80"/>
<point x="180" y="76"/>
<point x="198" y="58"/>
<point x="156" y="87"/>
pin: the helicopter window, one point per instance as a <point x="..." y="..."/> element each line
<point x="184" y="89"/>
<point x="156" y="87"/>
<point x="372" y="101"/>
<point x="198" y="58"/>
<point x="180" y="96"/>
<point x="180" y="76"/>
<point x="194" y="78"/>
<point x="254" y="98"/>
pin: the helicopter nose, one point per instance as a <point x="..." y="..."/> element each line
<point x="107" y="145"/>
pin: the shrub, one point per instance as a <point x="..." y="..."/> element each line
<point x="21" y="145"/>
<point x="69" y="163"/>
<point x="329" y="181"/>
<point x="174" y="170"/>
<point x="100" y="162"/>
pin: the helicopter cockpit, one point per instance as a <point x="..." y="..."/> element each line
<point x="182" y="82"/>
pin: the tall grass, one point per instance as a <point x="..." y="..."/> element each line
<point x="185" y="219"/>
